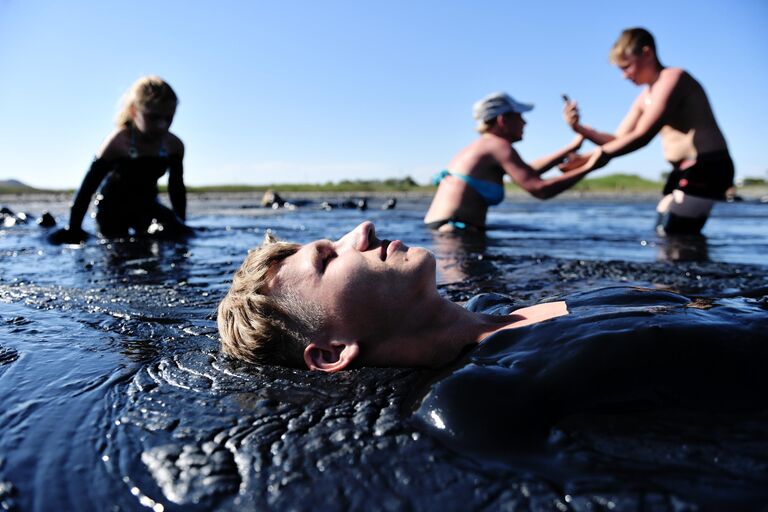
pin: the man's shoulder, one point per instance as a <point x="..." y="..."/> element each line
<point x="678" y="76"/>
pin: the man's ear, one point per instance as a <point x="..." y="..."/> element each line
<point x="330" y="356"/>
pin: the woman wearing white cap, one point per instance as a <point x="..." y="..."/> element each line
<point x="474" y="178"/>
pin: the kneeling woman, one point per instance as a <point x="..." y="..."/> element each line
<point x="474" y="178"/>
<point x="135" y="155"/>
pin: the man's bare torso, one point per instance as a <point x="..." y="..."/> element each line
<point x="690" y="128"/>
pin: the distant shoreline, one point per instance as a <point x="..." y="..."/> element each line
<point x="615" y="185"/>
<point x="753" y="193"/>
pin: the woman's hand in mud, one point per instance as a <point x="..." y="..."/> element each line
<point x="68" y="236"/>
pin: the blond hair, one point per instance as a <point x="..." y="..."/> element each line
<point x="260" y="325"/>
<point x="631" y="42"/>
<point x="485" y="126"/>
<point x="147" y="90"/>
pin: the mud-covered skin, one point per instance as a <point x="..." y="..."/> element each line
<point x="622" y="351"/>
<point x="113" y="394"/>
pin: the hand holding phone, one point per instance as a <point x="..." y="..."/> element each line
<point x="570" y="112"/>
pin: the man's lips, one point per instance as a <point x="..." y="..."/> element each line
<point x="388" y="248"/>
<point x="383" y="249"/>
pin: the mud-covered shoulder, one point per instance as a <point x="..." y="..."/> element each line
<point x="116" y="145"/>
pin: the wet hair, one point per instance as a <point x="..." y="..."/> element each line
<point x="261" y="325"/>
<point x="147" y="90"/>
<point x="631" y="42"/>
<point x="485" y="126"/>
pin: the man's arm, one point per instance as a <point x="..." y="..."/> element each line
<point x="650" y="115"/>
<point x="573" y="119"/>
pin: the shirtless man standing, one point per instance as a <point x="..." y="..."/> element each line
<point x="675" y="104"/>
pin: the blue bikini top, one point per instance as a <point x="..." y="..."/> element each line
<point x="492" y="193"/>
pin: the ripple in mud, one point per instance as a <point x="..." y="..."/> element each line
<point x="7" y="356"/>
<point x="200" y="432"/>
<point x="537" y="278"/>
<point x="169" y="422"/>
<point x="7" y="491"/>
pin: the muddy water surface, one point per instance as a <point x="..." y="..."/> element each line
<point x="113" y="395"/>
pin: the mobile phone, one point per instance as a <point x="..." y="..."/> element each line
<point x="566" y="98"/>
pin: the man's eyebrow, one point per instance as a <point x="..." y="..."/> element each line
<point x="273" y="281"/>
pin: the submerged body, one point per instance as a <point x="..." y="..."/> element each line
<point x="128" y="198"/>
<point x="474" y="179"/>
<point x="619" y="349"/>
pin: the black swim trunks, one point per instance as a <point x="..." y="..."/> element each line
<point x="710" y="177"/>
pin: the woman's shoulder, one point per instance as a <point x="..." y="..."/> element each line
<point x="116" y="145"/>
<point x="484" y="151"/>
<point x="174" y="145"/>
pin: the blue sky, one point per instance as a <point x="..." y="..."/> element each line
<point x="308" y="91"/>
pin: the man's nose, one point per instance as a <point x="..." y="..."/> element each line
<point x="358" y="238"/>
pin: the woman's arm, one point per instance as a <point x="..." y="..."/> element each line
<point x="176" y="188"/>
<point x="73" y="233"/>
<point x="114" y="147"/>
<point x="93" y="178"/>
<point x="543" y="164"/>
<point x="528" y="178"/>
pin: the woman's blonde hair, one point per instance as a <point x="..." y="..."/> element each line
<point x="146" y="90"/>
<point x="262" y="326"/>
<point x="631" y="42"/>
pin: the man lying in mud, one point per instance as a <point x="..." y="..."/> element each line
<point x="361" y="301"/>
<point x="358" y="301"/>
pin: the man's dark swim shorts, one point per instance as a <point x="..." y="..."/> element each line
<point x="710" y="177"/>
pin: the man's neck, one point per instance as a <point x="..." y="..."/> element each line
<point x="655" y="73"/>
<point x="446" y="331"/>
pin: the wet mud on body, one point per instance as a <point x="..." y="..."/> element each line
<point x="114" y="395"/>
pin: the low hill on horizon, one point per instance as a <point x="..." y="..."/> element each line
<point x="13" y="186"/>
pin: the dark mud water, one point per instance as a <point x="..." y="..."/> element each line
<point x="113" y="395"/>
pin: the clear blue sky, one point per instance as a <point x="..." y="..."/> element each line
<point x="314" y="91"/>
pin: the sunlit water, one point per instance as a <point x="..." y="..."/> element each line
<point x="113" y="394"/>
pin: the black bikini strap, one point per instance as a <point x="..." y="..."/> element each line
<point x="132" y="151"/>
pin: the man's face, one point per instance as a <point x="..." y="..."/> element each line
<point x="360" y="284"/>
<point x="638" y="68"/>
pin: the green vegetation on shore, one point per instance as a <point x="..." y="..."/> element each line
<point x="406" y="184"/>
<point x="614" y="183"/>
<point x="618" y="183"/>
